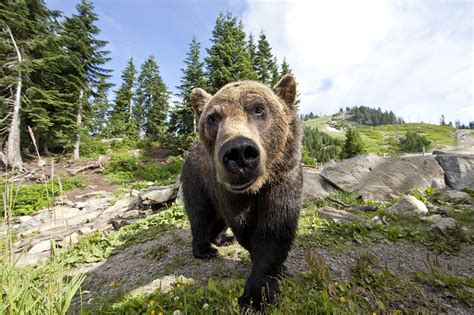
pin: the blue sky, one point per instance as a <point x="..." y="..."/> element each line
<point x="412" y="57"/>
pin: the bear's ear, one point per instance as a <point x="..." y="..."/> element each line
<point x="199" y="98"/>
<point x="286" y="90"/>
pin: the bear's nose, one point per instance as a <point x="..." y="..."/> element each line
<point x="239" y="155"/>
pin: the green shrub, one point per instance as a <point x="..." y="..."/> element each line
<point x="92" y="147"/>
<point x="414" y="142"/>
<point x="28" y="198"/>
<point x="319" y="147"/>
<point x="353" y="145"/>
<point x="161" y="174"/>
<point x="123" y="167"/>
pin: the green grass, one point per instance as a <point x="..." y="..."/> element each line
<point x="400" y="229"/>
<point x="384" y="138"/>
<point x="40" y="289"/>
<point x="126" y="168"/>
<point x="100" y="245"/>
<point x="461" y="288"/>
<point x="28" y="198"/>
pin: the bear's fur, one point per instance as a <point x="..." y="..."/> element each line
<point x="261" y="124"/>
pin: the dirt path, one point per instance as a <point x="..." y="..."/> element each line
<point x="140" y="268"/>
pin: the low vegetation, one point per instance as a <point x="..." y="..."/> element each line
<point x="385" y="139"/>
<point x="124" y="167"/>
<point x="25" y="199"/>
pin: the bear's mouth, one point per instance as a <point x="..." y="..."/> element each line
<point x="242" y="187"/>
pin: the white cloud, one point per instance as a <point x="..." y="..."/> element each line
<point x="415" y="58"/>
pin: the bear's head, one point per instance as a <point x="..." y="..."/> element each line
<point x="244" y="128"/>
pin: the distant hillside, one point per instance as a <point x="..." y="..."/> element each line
<point x="383" y="138"/>
<point x="371" y="116"/>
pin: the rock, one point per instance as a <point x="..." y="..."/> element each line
<point x="23" y="219"/>
<point x="158" y="195"/>
<point x="457" y="196"/>
<point x="122" y="205"/>
<point x="432" y="218"/>
<point x="69" y="240"/>
<point x="31" y="259"/>
<point x="93" y="204"/>
<point x="167" y="282"/>
<point x="377" y="178"/>
<point x="62" y="212"/>
<point x="119" y="223"/>
<point x="315" y="186"/>
<point x="130" y="214"/>
<point x="408" y="205"/>
<point x="40" y="247"/>
<point x="459" y="170"/>
<point x="444" y="224"/>
<point x="338" y="215"/>
<point x="85" y="230"/>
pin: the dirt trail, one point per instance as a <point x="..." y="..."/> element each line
<point x="136" y="268"/>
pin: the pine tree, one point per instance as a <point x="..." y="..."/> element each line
<point x="275" y="73"/>
<point x="100" y="107"/>
<point x="30" y="58"/>
<point x="182" y="118"/>
<point x="353" y="144"/>
<point x="285" y="68"/>
<point x="88" y="55"/>
<point x="151" y="102"/>
<point x="228" y="59"/>
<point x="122" y="118"/>
<point x="252" y="49"/>
<point x="264" y="61"/>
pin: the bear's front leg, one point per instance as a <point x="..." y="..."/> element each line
<point x="268" y="253"/>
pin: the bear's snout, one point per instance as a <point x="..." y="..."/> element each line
<point x="240" y="158"/>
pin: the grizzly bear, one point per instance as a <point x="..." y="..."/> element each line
<point x="244" y="172"/>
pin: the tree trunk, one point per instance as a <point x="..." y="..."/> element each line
<point x="77" y="145"/>
<point x="13" y="154"/>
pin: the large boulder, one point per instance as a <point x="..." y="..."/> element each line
<point x="408" y="205"/>
<point x="338" y="216"/>
<point x="314" y="186"/>
<point x="459" y="170"/>
<point x="377" y="178"/>
<point x="158" y="195"/>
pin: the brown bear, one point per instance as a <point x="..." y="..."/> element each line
<point x="244" y="172"/>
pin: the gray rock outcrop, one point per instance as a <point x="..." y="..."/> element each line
<point x="377" y="178"/>
<point x="408" y="205"/>
<point x="459" y="170"/>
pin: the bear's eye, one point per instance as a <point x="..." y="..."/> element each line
<point x="212" y="120"/>
<point x="259" y="110"/>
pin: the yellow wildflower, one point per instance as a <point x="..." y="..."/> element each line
<point x="178" y="285"/>
<point x="112" y="284"/>
<point x="373" y="313"/>
<point x="151" y="302"/>
<point x="152" y="312"/>
<point x="342" y="299"/>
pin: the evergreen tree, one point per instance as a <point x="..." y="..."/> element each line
<point x="264" y="61"/>
<point x="122" y="118"/>
<point x="252" y="49"/>
<point x="285" y="68"/>
<point x="229" y="58"/>
<point x="319" y="146"/>
<point x="353" y="144"/>
<point x="151" y="102"/>
<point x="88" y="55"/>
<point x="182" y="118"/>
<point x="28" y="52"/>
<point x="100" y="107"/>
<point x="414" y="142"/>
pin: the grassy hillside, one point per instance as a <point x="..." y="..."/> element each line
<point x="384" y="138"/>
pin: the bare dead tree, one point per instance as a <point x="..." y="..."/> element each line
<point x="77" y="145"/>
<point x="13" y="150"/>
